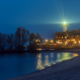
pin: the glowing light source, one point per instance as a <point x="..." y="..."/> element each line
<point x="46" y="40"/>
<point x="64" y="26"/>
<point x="57" y="41"/>
<point x="64" y="22"/>
<point x="75" y="42"/>
<point x="72" y="39"/>
<point x="37" y="40"/>
<point x="51" y="41"/>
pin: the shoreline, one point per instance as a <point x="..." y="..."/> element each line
<point x="55" y="68"/>
<point x="55" y="50"/>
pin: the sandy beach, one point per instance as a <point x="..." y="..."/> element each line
<point x="66" y="70"/>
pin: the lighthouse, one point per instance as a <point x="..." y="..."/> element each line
<point x="64" y="26"/>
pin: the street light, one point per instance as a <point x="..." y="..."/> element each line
<point x="46" y="40"/>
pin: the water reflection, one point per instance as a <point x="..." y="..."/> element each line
<point x="51" y="59"/>
<point x="39" y="62"/>
<point x="58" y="58"/>
<point x="46" y="61"/>
<point x="75" y="55"/>
<point x="14" y="65"/>
<point x="51" y="55"/>
<point x="66" y="56"/>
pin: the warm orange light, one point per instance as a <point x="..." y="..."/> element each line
<point x="75" y="55"/>
<point x="72" y="39"/>
<point x="39" y="41"/>
<point x="51" y="41"/>
<point x="54" y="44"/>
<point x="36" y="40"/>
<point x="75" y="42"/>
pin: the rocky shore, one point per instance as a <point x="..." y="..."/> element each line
<point x="66" y="70"/>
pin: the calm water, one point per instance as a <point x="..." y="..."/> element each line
<point x="17" y="65"/>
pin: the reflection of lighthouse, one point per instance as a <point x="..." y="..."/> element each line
<point x="64" y="26"/>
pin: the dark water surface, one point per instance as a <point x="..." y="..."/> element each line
<point x="16" y="65"/>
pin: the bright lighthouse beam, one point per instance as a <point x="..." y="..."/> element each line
<point x="64" y="23"/>
<point x="64" y="26"/>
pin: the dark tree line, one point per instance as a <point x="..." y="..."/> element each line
<point x="16" y="42"/>
<point x="32" y="41"/>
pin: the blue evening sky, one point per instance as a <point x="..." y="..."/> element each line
<point x="42" y="16"/>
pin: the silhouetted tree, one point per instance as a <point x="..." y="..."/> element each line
<point x="25" y="35"/>
<point x="3" y="44"/>
<point x="39" y="37"/>
<point x="18" y="35"/>
<point x="22" y="35"/>
<point x="16" y="42"/>
<point x="10" y="42"/>
<point x="33" y="46"/>
<point x="21" y="38"/>
<point x="32" y="38"/>
<point x="0" y="41"/>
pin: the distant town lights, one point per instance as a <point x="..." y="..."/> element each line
<point x="36" y="40"/>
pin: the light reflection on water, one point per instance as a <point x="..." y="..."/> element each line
<point x="60" y="57"/>
<point x="39" y="62"/>
<point x="46" y="61"/>
<point x="18" y="65"/>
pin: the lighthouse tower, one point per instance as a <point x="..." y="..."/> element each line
<point x="64" y="26"/>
